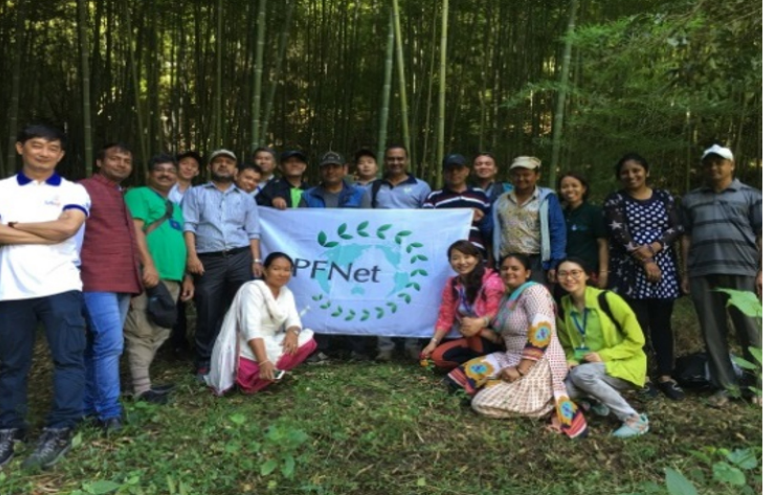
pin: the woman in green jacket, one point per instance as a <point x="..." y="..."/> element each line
<point x="603" y="343"/>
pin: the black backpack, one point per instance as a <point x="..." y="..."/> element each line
<point x="604" y="305"/>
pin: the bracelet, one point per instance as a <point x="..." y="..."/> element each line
<point x="434" y="340"/>
<point x="266" y="361"/>
<point x="487" y="321"/>
<point x="257" y="261"/>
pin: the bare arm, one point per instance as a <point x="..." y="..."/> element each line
<point x="254" y="245"/>
<point x="149" y="274"/>
<point x="603" y="245"/>
<point x="267" y="367"/>
<point x="10" y="236"/>
<point x="193" y="264"/>
<point x="55" y="231"/>
<point x="685" y="246"/>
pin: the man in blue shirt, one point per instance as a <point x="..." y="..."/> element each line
<point x="222" y="236"/>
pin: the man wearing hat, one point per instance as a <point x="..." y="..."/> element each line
<point x="159" y="234"/>
<point x="334" y="192"/>
<point x="529" y="220"/>
<point x="458" y="194"/>
<point x="721" y="246"/>
<point x="222" y="236"/>
<point x="286" y="192"/>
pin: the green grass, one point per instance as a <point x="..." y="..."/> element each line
<point x="373" y="428"/>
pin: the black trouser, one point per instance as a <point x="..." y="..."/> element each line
<point x="653" y="316"/>
<point x="179" y="337"/>
<point x="329" y="342"/>
<point x="223" y="276"/>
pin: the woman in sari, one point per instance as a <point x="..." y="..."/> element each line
<point x="470" y="299"/>
<point x="528" y="378"/>
<point x="262" y="333"/>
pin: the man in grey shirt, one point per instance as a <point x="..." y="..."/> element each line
<point x="397" y="189"/>
<point x="222" y="234"/>
<point x="722" y="222"/>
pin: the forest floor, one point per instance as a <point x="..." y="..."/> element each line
<point x="391" y="428"/>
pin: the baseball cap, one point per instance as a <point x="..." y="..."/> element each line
<point x="454" y="159"/>
<point x="720" y="151"/>
<point x="293" y="153"/>
<point x="332" y="158"/>
<point x="531" y="163"/>
<point x="222" y="152"/>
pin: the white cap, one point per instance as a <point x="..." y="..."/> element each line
<point x="223" y="152"/>
<point x="524" y="162"/>
<point x="720" y="151"/>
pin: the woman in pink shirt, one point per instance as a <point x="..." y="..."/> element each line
<point x="470" y="300"/>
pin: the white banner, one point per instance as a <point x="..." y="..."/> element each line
<point x="367" y="272"/>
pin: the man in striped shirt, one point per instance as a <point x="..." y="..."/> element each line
<point x="722" y="222"/>
<point x="458" y="194"/>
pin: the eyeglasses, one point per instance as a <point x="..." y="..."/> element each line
<point x="574" y="274"/>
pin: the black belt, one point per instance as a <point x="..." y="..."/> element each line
<point x="224" y="253"/>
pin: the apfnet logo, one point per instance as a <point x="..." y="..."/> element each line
<point x="362" y="258"/>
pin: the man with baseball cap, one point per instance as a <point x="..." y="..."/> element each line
<point x="458" y="194"/>
<point x="286" y="192"/>
<point x="334" y="192"/>
<point x="529" y="220"/>
<point x="721" y="245"/>
<point x="222" y="236"/>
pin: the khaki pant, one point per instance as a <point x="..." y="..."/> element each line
<point x="144" y="338"/>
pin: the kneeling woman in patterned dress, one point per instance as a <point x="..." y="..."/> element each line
<point x="528" y="378"/>
<point x="262" y="333"/>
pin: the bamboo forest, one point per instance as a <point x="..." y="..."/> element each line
<point x="575" y="82"/>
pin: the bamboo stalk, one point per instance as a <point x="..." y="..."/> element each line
<point x="257" y="90"/>
<point x="282" y="43"/>
<point x="443" y="66"/>
<point x="85" y="77"/>
<point x="135" y="84"/>
<point x="562" y="95"/>
<point x="13" y="107"/>
<point x="401" y="75"/>
<point x="386" y="90"/>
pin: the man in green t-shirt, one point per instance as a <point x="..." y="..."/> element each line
<point x="162" y="250"/>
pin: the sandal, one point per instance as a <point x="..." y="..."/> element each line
<point x="633" y="426"/>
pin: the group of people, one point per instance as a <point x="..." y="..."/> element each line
<point x="93" y="263"/>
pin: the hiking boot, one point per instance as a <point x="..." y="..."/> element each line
<point x="672" y="390"/>
<point x="111" y="425"/>
<point x="8" y="438"/>
<point x="317" y="358"/>
<point x="636" y="425"/>
<point x="154" y="396"/>
<point x="51" y="447"/>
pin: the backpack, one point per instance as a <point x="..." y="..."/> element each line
<point x="375" y="187"/>
<point x="604" y="305"/>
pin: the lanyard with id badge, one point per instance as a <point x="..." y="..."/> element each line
<point x="582" y="350"/>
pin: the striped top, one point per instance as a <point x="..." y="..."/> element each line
<point x="470" y="198"/>
<point x="722" y="228"/>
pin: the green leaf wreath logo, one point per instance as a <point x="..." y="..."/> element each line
<point x="349" y="244"/>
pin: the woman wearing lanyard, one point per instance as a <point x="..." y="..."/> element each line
<point x="603" y="343"/>
<point x="528" y="378"/>
<point x="470" y="299"/>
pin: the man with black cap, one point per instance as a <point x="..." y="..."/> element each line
<point x="286" y="192"/>
<point x="334" y="192"/>
<point x="222" y="236"/>
<point x="458" y="194"/>
<point x="721" y="248"/>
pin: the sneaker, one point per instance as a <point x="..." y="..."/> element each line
<point x="671" y="389"/>
<point x="634" y="426"/>
<point x="648" y="392"/>
<point x="51" y="447"/>
<point x="154" y="396"/>
<point x="317" y="358"/>
<point x="8" y="438"/>
<point x="384" y="356"/>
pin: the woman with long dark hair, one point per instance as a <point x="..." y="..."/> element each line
<point x="469" y="300"/>
<point x="644" y="224"/>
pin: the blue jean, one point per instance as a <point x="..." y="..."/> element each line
<point x="105" y="314"/>
<point x="61" y="314"/>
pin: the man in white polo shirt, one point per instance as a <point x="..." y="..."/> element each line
<point x="40" y="213"/>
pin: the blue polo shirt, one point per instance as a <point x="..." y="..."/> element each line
<point x="410" y="193"/>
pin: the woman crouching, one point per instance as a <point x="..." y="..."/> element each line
<point x="604" y="344"/>
<point x="528" y="378"/>
<point x="262" y="333"/>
